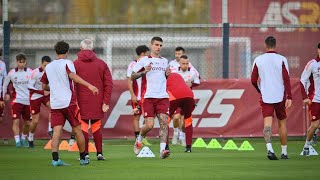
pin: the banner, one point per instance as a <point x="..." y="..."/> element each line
<point x="225" y="108"/>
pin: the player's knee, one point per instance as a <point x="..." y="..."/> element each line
<point x="149" y="125"/>
<point x="267" y="130"/>
<point x="315" y="124"/>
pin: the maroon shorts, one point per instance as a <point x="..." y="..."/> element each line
<point x="153" y="106"/>
<point x="20" y="110"/>
<point x="178" y="110"/>
<point x="71" y="114"/>
<point x="269" y="109"/>
<point x="186" y="104"/>
<point x="314" y="110"/>
<point x="134" y="105"/>
<point x="36" y="104"/>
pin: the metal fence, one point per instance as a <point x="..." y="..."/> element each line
<point x="203" y="43"/>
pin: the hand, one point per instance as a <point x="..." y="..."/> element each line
<point x="135" y="111"/>
<point x="134" y="99"/>
<point x="93" y="89"/>
<point x="288" y="103"/>
<point x="306" y="101"/>
<point x="147" y="68"/>
<point x="168" y="71"/>
<point x="2" y="104"/>
<point x="46" y="93"/>
<point x="7" y="97"/>
<point x="105" y="107"/>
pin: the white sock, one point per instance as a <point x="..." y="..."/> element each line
<point x="182" y="135"/>
<point x="17" y="138"/>
<point x="139" y="138"/>
<point x="175" y="131"/>
<point x="162" y="146"/>
<point x="316" y="132"/>
<point x="23" y="136"/>
<point x="284" y="149"/>
<point x="49" y="126"/>
<point x="269" y="147"/>
<point x="307" y="144"/>
<point x="30" y="137"/>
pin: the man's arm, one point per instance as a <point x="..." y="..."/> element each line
<point x="304" y="80"/>
<point x="32" y="82"/>
<point x="255" y="77"/>
<point x="77" y="79"/>
<point x="286" y="80"/>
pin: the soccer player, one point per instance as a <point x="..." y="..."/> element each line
<point x="93" y="107"/>
<point x="311" y="73"/>
<point x="3" y="75"/>
<point x="181" y="96"/>
<point x="155" y="99"/>
<point x="136" y="87"/>
<point x="177" y="120"/>
<point x="275" y="90"/>
<point x="61" y="75"/>
<point x="37" y="97"/>
<point x="20" y="103"/>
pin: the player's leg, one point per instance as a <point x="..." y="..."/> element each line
<point x="26" y="125"/>
<point x="16" y="114"/>
<point x="314" y="137"/>
<point x="267" y="112"/>
<point x="315" y="122"/>
<point x="182" y="134"/>
<point x="187" y="107"/>
<point x="57" y="123"/>
<point x="161" y="109"/>
<point x="85" y="132"/>
<point x="35" y="114"/>
<point x="73" y="116"/>
<point x="176" y="125"/>
<point x="280" y="110"/>
<point x="97" y="137"/>
<point x="136" y="128"/>
<point x="47" y="103"/>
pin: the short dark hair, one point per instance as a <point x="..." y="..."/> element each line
<point x="21" y="57"/>
<point x="180" y="49"/>
<point x="45" y="59"/>
<point x="142" y="49"/>
<point x="319" y="46"/>
<point x="271" y="42"/>
<point x="156" y="39"/>
<point x="61" y="47"/>
<point x="184" y="57"/>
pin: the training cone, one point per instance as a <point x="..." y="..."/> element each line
<point x="48" y="145"/>
<point x="230" y="145"/>
<point x="312" y="152"/>
<point x="145" y="152"/>
<point x="74" y="148"/>
<point x="64" y="145"/>
<point x="214" y="144"/>
<point x="92" y="147"/>
<point x="246" y="146"/>
<point x="199" y="143"/>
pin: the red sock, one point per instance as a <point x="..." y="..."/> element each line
<point x="97" y="137"/>
<point x="86" y="138"/>
<point x="189" y="132"/>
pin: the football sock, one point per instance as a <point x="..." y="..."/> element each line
<point x="269" y="147"/>
<point x="30" y="137"/>
<point x="55" y="156"/>
<point x="284" y="149"/>
<point x="307" y="144"/>
<point x="17" y="138"/>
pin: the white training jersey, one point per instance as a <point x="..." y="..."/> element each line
<point x="156" y="82"/>
<point x="138" y="81"/>
<point x="3" y="74"/>
<point x="187" y="75"/>
<point x="35" y="83"/>
<point x="312" y="70"/>
<point x="175" y="67"/>
<point x="271" y="78"/>
<point x="61" y="86"/>
<point x="19" y="79"/>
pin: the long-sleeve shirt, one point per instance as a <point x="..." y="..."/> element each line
<point x="310" y="80"/>
<point x="20" y="79"/>
<point x="35" y="85"/>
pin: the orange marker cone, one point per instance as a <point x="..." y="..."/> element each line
<point x="74" y="148"/>
<point x="92" y="147"/>
<point x="64" y="145"/>
<point x="48" y="145"/>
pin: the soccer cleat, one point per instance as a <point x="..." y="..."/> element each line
<point x="272" y="156"/>
<point x="50" y="133"/>
<point x="188" y="150"/>
<point x="31" y="145"/>
<point x="167" y="147"/>
<point x="59" y="163"/>
<point x="137" y="147"/>
<point x="174" y="140"/>
<point x="145" y="142"/>
<point x="18" y="144"/>
<point x="284" y="156"/>
<point x="306" y="152"/>
<point x="164" y="154"/>
<point x="100" y="157"/>
<point x="86" y="161"/>
<point x="24" y="143"/>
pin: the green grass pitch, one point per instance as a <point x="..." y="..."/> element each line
<point x="121" y="163"/>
